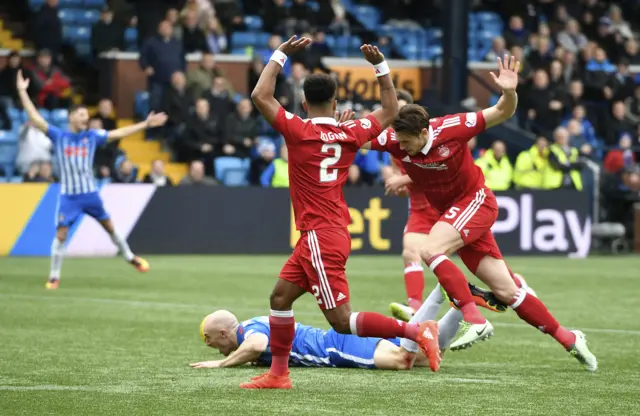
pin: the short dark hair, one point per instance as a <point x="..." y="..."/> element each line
<point x="404" y="95"/>
<point x="319" y="89"/>
<point x="76" y="107"/>
<point x="411" y="119"/>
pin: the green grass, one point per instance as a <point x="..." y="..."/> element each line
<point x="112" y="342"/>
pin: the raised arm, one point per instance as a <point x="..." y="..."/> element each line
<point x="22" y="84"/>
<point x="507" y="81"/>
<point x="249" y="351"/>
<point x="388" y="99"/>
<point x="153" y="120"/>
<point x="263" y="94"/>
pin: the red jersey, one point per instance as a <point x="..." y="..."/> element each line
<point x="443" y="170"/>
<point x="320" y="154"/>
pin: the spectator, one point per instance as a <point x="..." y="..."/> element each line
<point x="176" y="103"/>
<point x="241" y="129"/>
<point x="255" y="69"/>
<point x="496" y="167"/>
<point x="371" y="163"/>
<point x="579" y="114"/>
<point x="623" y="157"/>
<point x="277" y="173"/>
<point x="230" y="15"/>
<point x="571" y="68"/>
<point x="33" y="146"/>
<point x="632" y="107"/>
<point x="630" y="52"/>
<point x="576" y="93"/>
<point x="543" y="108"/>
<point x="618" y="25"/>
<point x="618" y="124"/>
<point x="106" y="114"/>
<point x="54" y="88"/>
<point x="200" y="79"/>
<point x="605" y="38"/>
<point x="45" y="174"/>
<point x="556" y="80"/>
<point x="196" y="176"/>
<point x="541" y="55"/>
<point x="219" y="99"/>
<point x="125" y="172"/>
<point x="107" y="153"/>
<point x="157" y="175"/>
<point x="621" y="84"/>
<point x="104" y="175"/>
<point x="47" y="27"/>
<point x="325" y="15"/>
<point x="274" y="42"/>
<point x="353" y="176"/>
<point x="531" y="165"/>
<point x="161" y="56"/>
<point x="275" y="15"/>
<point x="295" y="94"/>
<point x="525" y="68"/>
<point x="201" y="9"/>
<point x="216" y="38"/>
<point x="201" y="138"/>
<point x="578" y="140"/>
<point x="311" y="57"/>
<point x="8" y="76"/>
<point x="564" y="167"/>
<point x="303" y="16"/>
<point x="193" y="39"/>
<point x="173" y="17"/>
<point x="106" y="35"/>
<point x="266" y="154"/>
<point x="498" y="49"/>
<point x="340" y="23"/>
<point x="32" y="173"/>
<point x="571" y="39"/>
<point x="597" y="74"/>
<point x="516" y="35"/>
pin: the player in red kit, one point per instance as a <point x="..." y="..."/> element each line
<point x="436" y="158"/>
<point x="320" y="153"/>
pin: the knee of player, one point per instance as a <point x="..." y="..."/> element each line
<point x="506" y="293"/>
<point x="340" y="324"/>
<point x="61" y="234"/>
<point x="278" y="302"/>
<point x="410" y="255"/>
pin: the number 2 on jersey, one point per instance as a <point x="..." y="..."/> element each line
<point x="327" y="175"/>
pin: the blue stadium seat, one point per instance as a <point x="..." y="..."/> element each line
<point x="253" y="22"/>
<point x="46" y="114"/>
<point x="84" y="49"/>
<point x="235" y="177"/>
<point x="75" y="34"/>
<point x="242" y="39"/>
<point x="238" y="51"/>
<point x="15" y="115"/>
<point x="141" y="104"/>
<point x="70" y="3"/>
<point x="8" y="152"/>
<point x="36" y="4"/>
<point x="69" y="16"/>
<point x="88" y="17"/>
<point x="59" y="116"/>
<point x="131" y="35"/>
<point x="16" y="179"/>
<point x="94" y="4"/>
<point x="222" y="164"/>
<point x="7" y="136"/>
<point x="369" y="16"/>
<point x="493" y="100"/>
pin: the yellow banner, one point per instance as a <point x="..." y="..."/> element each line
<point x="362" y="81"/>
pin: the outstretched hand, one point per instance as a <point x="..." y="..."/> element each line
<point x="156" y="119"/>
<point x="372" y="54"/>
<point x="294" y="45"/>
<point x="22" y="83"/>
<point x="345" y="116"/>
<point x="507" y="79"/>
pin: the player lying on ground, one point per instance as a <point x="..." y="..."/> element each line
<point x="320" y="154"/>
<point x="75" y="149"/>
<point x="248" y="342"/>
<point x="435" y="155"/>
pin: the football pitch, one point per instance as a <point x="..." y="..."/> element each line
<point x="111" y="341"/>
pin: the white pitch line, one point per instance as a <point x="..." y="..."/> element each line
<point x="193" y="306"/>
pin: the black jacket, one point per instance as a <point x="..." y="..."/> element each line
<point x="177" y="105"/>
<point x="105" y="37"/>
<point x="199" y="132"/>
<point x="47" y="29"/>
<point x="193" y="40"/>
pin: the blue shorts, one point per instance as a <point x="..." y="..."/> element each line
<point x="351" y="350"/>
<point x="70" y="207"/>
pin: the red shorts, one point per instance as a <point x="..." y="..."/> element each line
<point x="473" y="217"/>
<point x="318" y="265"/>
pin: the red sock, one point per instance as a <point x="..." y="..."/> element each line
<point x="455" y="284"/>
<point x="283" y="328"/>
<point x="515" y="278"/>
<point x="531" y="310"/>
<point x="371" y="324"/>
<point x="414" y="284"/>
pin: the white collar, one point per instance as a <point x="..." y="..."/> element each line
<point x="325" y="120"/>
<point x="427" y="146"/>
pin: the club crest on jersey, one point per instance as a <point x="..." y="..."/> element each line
<point x="332" y="137"/>
<point x="471" y="120"/>
<point x="365" y="123"/>
<point x="382" y="139"/>
<point x="288" y="115"/>
<point x="443" y="151"/>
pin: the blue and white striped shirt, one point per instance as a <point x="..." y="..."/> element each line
<point x="75" y="153"/>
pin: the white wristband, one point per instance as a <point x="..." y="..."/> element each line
<point x="279" y="57"/>
<point x="382" y="69"/>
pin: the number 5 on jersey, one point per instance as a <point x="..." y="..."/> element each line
<point x="326" y="174"/>
<point x="451" y="214"/>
